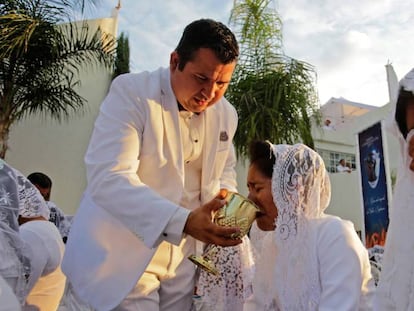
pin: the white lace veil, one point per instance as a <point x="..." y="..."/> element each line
<point x="287" y="274"/>
<point x="31" y="202"/>
<point x="407" y="83"/>
<point x="14" y="258"/>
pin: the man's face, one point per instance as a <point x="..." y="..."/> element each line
<point x="203" y="80"/>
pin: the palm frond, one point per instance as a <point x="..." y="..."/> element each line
<point x="41" y="58"/>
<point x="274" y="94"/>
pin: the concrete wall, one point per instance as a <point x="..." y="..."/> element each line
<point x="57" y="149"/>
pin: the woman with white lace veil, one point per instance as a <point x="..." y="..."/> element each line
<point x="15" y="267"/>
<point x="46" y="283"/>
<point x="396" y="285"/>
<point x="30" y="254"/>
<point x="311" y="260"/>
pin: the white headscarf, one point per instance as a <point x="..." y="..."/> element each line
<point x="288" y="274"/>
<point x="31" y="202"/>
<point x="14" y="255"/>
<point x="407" y="83"/>
<point x="391" y="123"/>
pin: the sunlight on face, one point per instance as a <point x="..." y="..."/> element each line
<point x="203" y="80"/>
<point x="260" y="192"/>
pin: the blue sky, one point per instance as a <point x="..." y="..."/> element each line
<point x="348" y="42"/>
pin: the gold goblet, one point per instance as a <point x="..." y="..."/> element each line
<point x="238" y="212"/>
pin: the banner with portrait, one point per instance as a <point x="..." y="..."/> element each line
<point x="373" y="185"/>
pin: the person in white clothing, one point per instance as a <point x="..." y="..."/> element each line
<point x="46" y="283"/>
<point x="31" y="254"/>
<point x="160" y="152"/>
<point x="310" y="260"/>
<point x="342" y="167"/>
<point x="15" y="266"/>
<point x="44" y="184"/>
<point x="396" y="284"/>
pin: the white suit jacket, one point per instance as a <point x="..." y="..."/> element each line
<point x="135" y="172"/>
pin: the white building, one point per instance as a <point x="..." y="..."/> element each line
<point x="340" y="142"/>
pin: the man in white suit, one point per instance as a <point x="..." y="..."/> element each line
<point x="160" y="152"/>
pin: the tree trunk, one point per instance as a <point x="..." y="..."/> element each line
<point x="4" y="138"/>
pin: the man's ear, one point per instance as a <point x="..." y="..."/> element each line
<point x="174" y="60"/>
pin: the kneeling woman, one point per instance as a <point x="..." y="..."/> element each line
<point x="312" y="261"/>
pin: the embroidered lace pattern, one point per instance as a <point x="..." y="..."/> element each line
<point x="58" y="217"/>
<point x="31" y="202"/>
<point x="287" y="276"/>
<point x="228" y="290"/>
<point x="14" y="258"/>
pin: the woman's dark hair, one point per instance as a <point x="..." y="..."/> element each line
<point x="207" y="33"/>
<point x="401" y="110"/>
<point x="261" y="155"/>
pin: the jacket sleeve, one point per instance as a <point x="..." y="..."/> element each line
<point x="345" y="275"/>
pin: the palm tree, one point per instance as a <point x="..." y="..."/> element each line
<point x="274" y="94"/>
<point x="41" y="54"/>
<point x="122" y="56"/>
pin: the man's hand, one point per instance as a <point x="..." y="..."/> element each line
<point x="411" y="152"/>
<point x="200" y="226"/>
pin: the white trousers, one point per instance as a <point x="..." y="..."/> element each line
<point x="168" y="282"/>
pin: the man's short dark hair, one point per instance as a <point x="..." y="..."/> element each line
<point x="40" y="179"/>
<point x="207" y="33"/>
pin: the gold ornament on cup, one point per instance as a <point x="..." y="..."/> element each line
<point x="238" y="212"/>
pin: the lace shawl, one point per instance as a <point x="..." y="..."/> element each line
<point x="287" y="275"/>
<point x="31" y="202"/>
<point x="58" y="217"/>
<point x="14" y="258"/>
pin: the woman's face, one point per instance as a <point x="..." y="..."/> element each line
<point x="410" y="115"/>
<point x="260" y="192"/>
